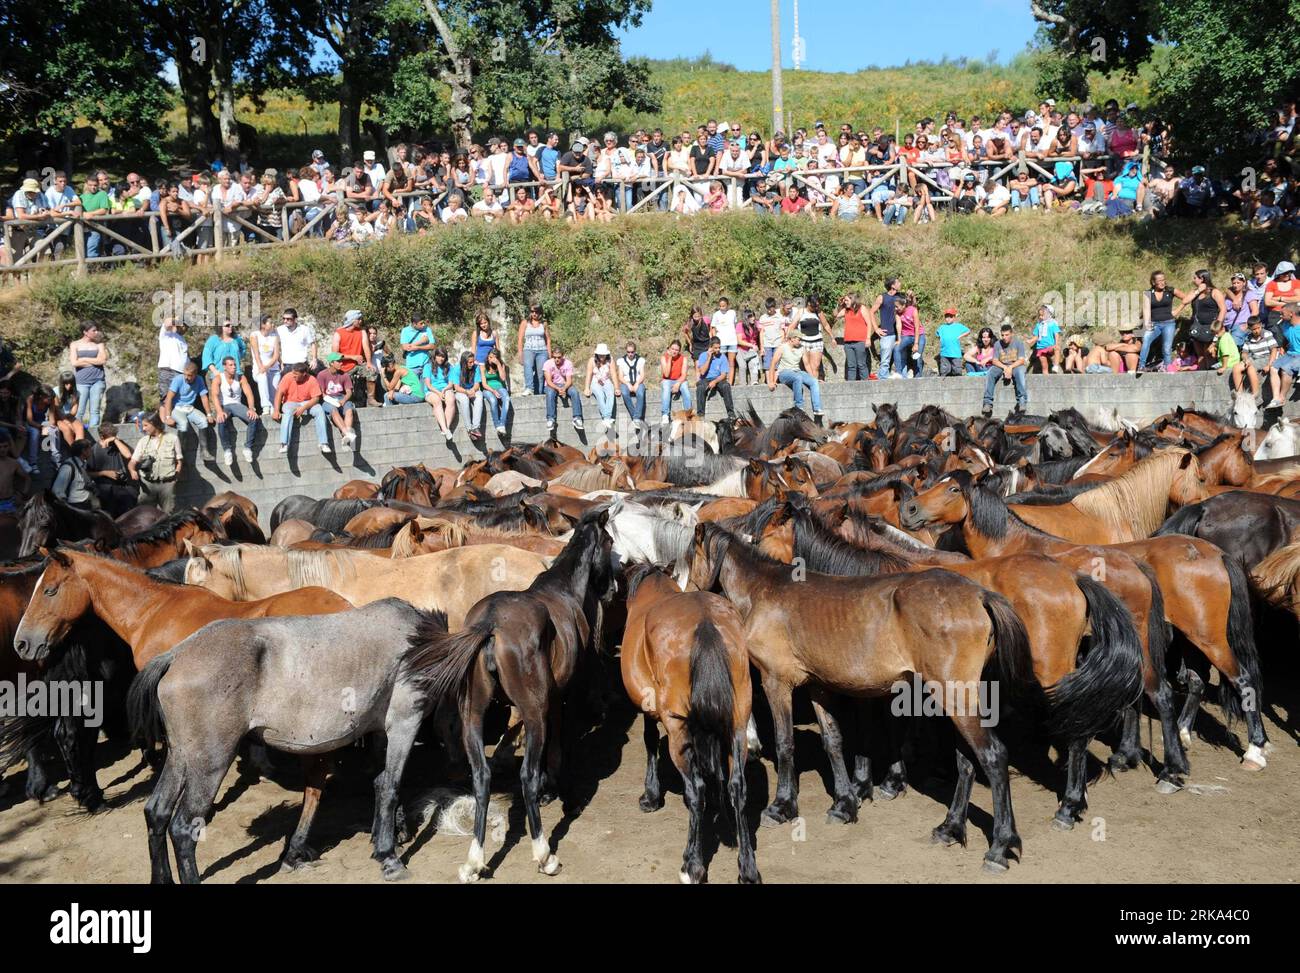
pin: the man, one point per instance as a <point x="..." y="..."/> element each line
<point x="376" y="173"/>
<point x="13" y="476"/>
<point x="173" y="353"/>
<point x="156" y="464"/>
<point x="1259" y="351"/>
<point x="28" y="203"/>
<point x="336" y="396"/>
<point x="631" y="382"/>
<point x="227" y="197"/>
<point x="59" y="198"/>
<point x="181" y="406"/>
<point x="297" y="341"/>
<point x="95" y="202"/>
<point x="417" y="342"/>
<point x="299" y="394"/>
<point x="1287" y="365"/>
<point x="711" y="378"/>
<point x="357" y="187"/>
<point x="1195" y="194"/>
<point x="109" y="473"/>
<point x="318" y="161"/>
<point x="577" y="166"/>
<point x="734" y="166"/>
<point x="557" y="374"/>
<point x="498" y="163"/>
<point x="352" y="342"/>
<point x="234" y="400"/>
<point x="787" y="368"/>
<point x="764" y="199"/>
<point x="548" y="157"/>
<point x="884" y="322"/>
<point x="522" y="166"/>
<point x="1009" y="361"/>
<point x="488" y="209"/>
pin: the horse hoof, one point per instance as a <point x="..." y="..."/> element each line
<point x="1166" y="786"/>
<point x="995" y="866"/>
<point x="777" y="814"/>
<point x="550" y="867"/>
<point x="844" y="811"/>
<point x="684" y="878"/>
<point x="1063" y="823"/>
<point x="47" y="795"/>
<point x="1268" y="746"/>
<point x="888" y="792"/>
<point x="396" y="872"/>
<point x="467" y="874"/>
<point x="1185" y="737"/>
<point x="1254" y="759"/>
<point x="1119" y="763"/>
<point x="650" y="804"/>
<point x="943" y="836"/>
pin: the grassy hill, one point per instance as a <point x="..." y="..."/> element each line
<point x="639" y="277"/>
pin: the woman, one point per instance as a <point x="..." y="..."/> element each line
<point x="157" y="464"/>
<point x="439" y="392"/>
<point x="88" y="355"/>
<point x="923" y="208"/>
<point x="602" y="207"/>
<point x="495" y="388"/>
<point x="980" y="355"/>
<point x="1076" y="355"/>
<point x="426" y="217"/>
<point x="911" y="339"/>
<point x="1046" y="336"/>
<point x="266" y="361"/>
<point x="697" y="332"/>
<point x="1238" y="309"/>
<point x="174" y="213"/>
<point x="466" y="378"/>
<point x="485" y="339"/>
<point x="42" y="427"/>
<point x="1208" y="307"/>
<point x="1158" y="319"/>
<point x="1122" y="355"/>
<point x="815" y="331"/>
<point x="226" y="340"/>
<point x="548" y="204"/>
<point x="599" y="382"/>
<point x="65" y="409"/>
<point x="848" y="205"/>
<point x="401" y="385"/>
<point x="747" y="356"/>
<point x="268" y="201"/>
<point x="533" y="348"/>
<point x="201" y="206"/>
<point x="580" y="206"/>
<point x="521" y="207"/>
<point x="461" y="175"/>
<point x="672" y="372"/>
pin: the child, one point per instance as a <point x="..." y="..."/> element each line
<point x="1045" y="335"/>
<point x="1228" y="355"/>
<point x="1185" y="359"/>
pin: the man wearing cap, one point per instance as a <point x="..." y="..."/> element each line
<point x="318" y="161"/>
<point x="375" y="170"/>
<point x="576" y="165"/>
<point x="1195" y="194"/>
<point x="336" y="396"/>
<point x="523" y="167"/>
<point x="28" y="204"/>
<point x="351" y="343"/>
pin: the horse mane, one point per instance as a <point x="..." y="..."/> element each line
<point x="1138" y="499"/>
<point x="1218" y="440"/>
<point x="230" y="560"/>
<point x="1275" y="577"/>
<point x="23" y="567"/>
<point x="1058" y="471"/>
<point x="584" y="478"/>
<point x="637" y="572"/>
<point x="311" y="568"/>
<point x="333" y="515"/>
<point x="165" y="530"/>
<point x="828" y="553"/>
<point x="697" y="469"/>
<point x="718" y="541"/>
<point x="454" y="534"/>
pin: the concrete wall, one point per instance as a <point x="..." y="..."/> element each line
<point x="406" y="435"/>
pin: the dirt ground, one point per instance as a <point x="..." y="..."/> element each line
<point x="1229" y="825"/>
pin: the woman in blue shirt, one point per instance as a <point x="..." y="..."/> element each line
<point x="225" y="342"/>
<point x="465" y="378"/>
<point x="438" y="381"/>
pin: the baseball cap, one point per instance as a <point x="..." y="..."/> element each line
<point x="1285" y="267"/>
<point x="351" y="316"/>
<point x="1131" y="106"/>
<point x="317" y="154"/>
<point x="1050" y="102"/>
<point x="1198" y="170"/>
<point x="520" y="143"/>
<point x="333" y="356"/>
<point x="31" y="186"/>
<point x="950" y="312"/>
<point x="368" y="155"/>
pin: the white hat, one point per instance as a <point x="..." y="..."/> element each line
<point x="1050" y="102"/>
<point x="1285" y="267"/>
<point x="601" y="349"/>
<point x="368" y="155"/>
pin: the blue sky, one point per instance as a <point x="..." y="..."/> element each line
<point x="837" y="36"/>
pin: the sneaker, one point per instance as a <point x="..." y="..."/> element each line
<point x="284" y="448"/>
<point x="248" y="455"/>
<point x="501" y="431"/>
<point x="1056" y="369"/>
<point x="987" y="411"/>
<point x="522" y="393"/>
<point x="608" y="423"/>
<point x="1275" y="404"/>
<point x="228" y="457"/>
<point x="663" y="420"/>
<point x="577" y="423"/>
<point x="325" y="449"/>
<point x="448" y="435"/>
<point x="894" y="375"/>
<point x="351" y="438"/>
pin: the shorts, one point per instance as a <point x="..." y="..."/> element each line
<point x="8" y="505"/>
<point x="1045" y="352"/>
<point x="730" y="349"/>
<point x="1288" y="363"/>
<point x="813" y="344"/>
<point x="1097" y="369"/>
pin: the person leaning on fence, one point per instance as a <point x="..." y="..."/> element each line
<point x="299" y="395"/>
<point x="1008" y="365"/>
<point x="233" y="399"/>
<point x="156" y="463"/>
<point x="187" y="404"/>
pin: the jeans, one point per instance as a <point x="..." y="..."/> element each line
<point x="666" y="395"/>
<point x="748" y="370"/>
<point x="575" y="402"/>
<point x="951" y="366"/>
<point x="723" y="389"/>
<point x="895" y="215"/>
<point x="91" y="398"/>
<point x="470" y="408"/>
<point x="1017" y="378"/>
<point x="92" y="243"/>
<point x="604" y="396"/>
<point x="1166" y="331"/>
<point x="188" y="415"/>
<point x="903" y="361"/>
<point x="857" y="362"/>
<point x="499" y="409"/>
<point x="798" y="381"/>
<point x="267" y="383"/>
<point x="237" y="410"/>
<point x="401" y="398"/>
<point x="634" y="404"/>
<point x="289" y="410"/>
<point x="1018" y="201"/>
<point x="534" y="360"/>
<point x="887" y="342"/>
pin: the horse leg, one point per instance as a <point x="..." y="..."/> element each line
<point x="76" y="745"/>
<point x="534" y="743"/>
<point x="1129" y="753"/>
<point x="785" y="806"/>
<point x="738" y="792"/>
<point x="653" y="797"/>
<point x="845" y="807"/>
<point x="158" y="812"/>
<point x="190" y="820"/>
<point x="992" y="755"/>
<point x="1075" y="801"/>
<point x="953" y="829"/>
<point x="550" y="786"/>
<point x="863" y="714"/>
<point x="1175" y="763"/>
<point x="472" y="708"/>
<point x="400" y="739"/>
<point x="1195" y="689"/>
<point x="900" y="730"/>
<point x="39" y="786"/>
<point x="297" y="852"/>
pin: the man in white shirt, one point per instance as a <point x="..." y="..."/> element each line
<point x="297" y="342"/>
<point x="734" y="164"/>
<point x="455" y="211"/>
<point x="487" y="208"/>
<point x="227" y="196"/>
<point x="498" y="163"/>
<point x="377" y="174"/>
<point x="59" y="198"/>
<point x="173" y="353"/>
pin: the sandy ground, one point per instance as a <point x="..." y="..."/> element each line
<point x="1229" y="826"/>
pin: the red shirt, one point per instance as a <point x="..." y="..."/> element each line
<point x="349" y="344"/>
<point x="295" y="391"/>
<point x="674" y="372"/>
<point x="795" y="205"/>
<point x="855" y="325"/>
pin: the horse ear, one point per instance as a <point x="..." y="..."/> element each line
<point x="417" y="532"/>
<point x="1186" y="461"/>
<point x="699" y="533"/>
<point x="101" y="545"/>
<point x="757" y="467"/>
<point x="187" y="546"/>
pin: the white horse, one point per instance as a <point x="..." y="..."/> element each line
<point x="1245" y="411"/>
<point x="1282" y="441"/>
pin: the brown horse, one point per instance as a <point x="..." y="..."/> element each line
<point x="228" y="496"/>
<point x="357" y="490"/>
<point x="376" y="519"/>
<point x="860" y="637"/>
<point x="235" y="524"/>
<point x="291" y="532"/>
<point x="685" y="665"/>
<point x="168" y="539"/>
<point x="411" y="484"/>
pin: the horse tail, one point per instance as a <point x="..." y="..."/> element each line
<point x="1109" y="679"/>
<point x="143" y="710"/>
<point x="709" y="724"/>
<point x="1241" y="640"/>
<point x="1158" y="633"/>
<point x="440" y="664"/>
<point x="21" y="734"/>
<point x="1184" y="521"/>
<point x="1011" y="642"/>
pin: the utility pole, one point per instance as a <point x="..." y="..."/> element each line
<point x="778" y="91"/>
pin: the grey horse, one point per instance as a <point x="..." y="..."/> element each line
<point x="306" y="685"/>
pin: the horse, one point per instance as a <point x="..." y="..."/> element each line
<point x="685" y="665"/>
<point x="424" y="535"/>
<point x="236" y="524"/>
<point x="413" y="484"/>
<point x="227" y="497"/>
<point x="139" y="518"/>
<point x="329" y="514"/>
<point x="859" y="637"/>
<point x="450" y="581"/>
<point x="45" y="519"/>
<point x="355" y="490"/>
<point x="1249" y="526"/>
<point x="243" y="676"/>
<point x="290" y="532"/>
<point x="167" y="539"/>
<point x="528" y="645"/>
<point x="1059" y="607"/>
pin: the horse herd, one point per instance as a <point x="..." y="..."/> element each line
<point x="1084" y="572"/>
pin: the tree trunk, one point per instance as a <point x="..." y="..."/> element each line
<point x="223" y="85"/>
<point x="349" y="120"/>
<point x="461" y="82"/>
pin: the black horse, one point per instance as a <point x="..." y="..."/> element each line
<point x="46" y="519"/>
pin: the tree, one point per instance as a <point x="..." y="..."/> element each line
<point x="1091" y="35"/>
